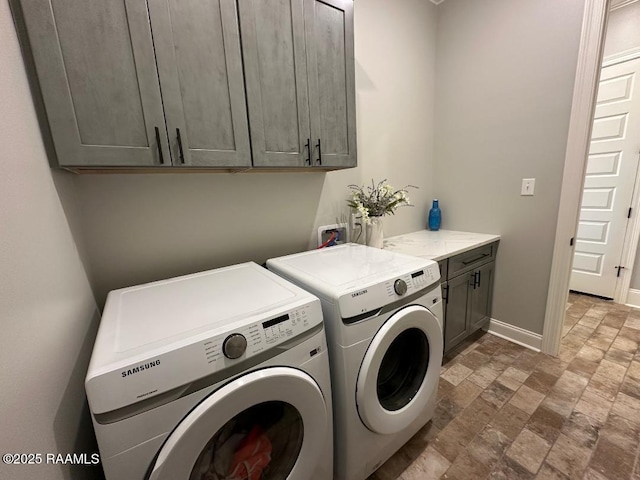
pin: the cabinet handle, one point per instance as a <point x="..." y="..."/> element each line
<point x="479" y="277"/>
<point x="180" y="146"/>
<point x="308" y="146"/>
<point x="474" y="260"/>
<point x="445" y="294"/>
<point x="160" y="155"/>
<point x="319" y="153"/>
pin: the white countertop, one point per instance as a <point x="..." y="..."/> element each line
<point x="437" y="245"/>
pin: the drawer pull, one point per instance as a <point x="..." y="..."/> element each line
<point x="474" y="260"/>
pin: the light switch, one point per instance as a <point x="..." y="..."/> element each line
<point x="528" y="186"/>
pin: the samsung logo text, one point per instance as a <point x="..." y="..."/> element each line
<point x="357" y="294"/>
<point x="140" y="368"/>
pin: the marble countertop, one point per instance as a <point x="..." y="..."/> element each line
<point x="437" y="245"/>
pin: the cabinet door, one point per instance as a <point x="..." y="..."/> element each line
<point x="198" y="50"/>
<point x="443" y="265"/>
<point x="276" y="77"/>
<point x="455" y="328"/>
<point x="445" y="302"/>
<point x="97" y="74"/>
<point x="480" y="297"/>
<point x="329" y="35"/>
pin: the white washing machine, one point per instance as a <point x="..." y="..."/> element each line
<point x="382" y="312"/>
<point x="220" y="374"/>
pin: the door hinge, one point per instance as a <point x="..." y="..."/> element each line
<point x="629" y="214"/>
<point x="619" y="269"/>
<point x="571" y="242"/>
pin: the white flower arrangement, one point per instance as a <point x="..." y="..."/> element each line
<point x="378" y="200"/>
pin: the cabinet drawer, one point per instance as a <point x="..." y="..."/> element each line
<point x="471" y="259"/>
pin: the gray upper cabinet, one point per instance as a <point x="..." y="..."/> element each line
<point x="273" y="45"/>
<point x="97" y="73"/>
<point x="193" y="83"/>
<point x="299" y="69"/>
<point x="197" y="46"/>
<point x="330" y="61"/>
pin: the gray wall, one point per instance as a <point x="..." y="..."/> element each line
<point x="48" y="315"/>
<point x="139" y="228"/>
<point x="504" y="82"/>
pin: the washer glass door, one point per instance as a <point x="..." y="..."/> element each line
<point x="403" y="368"/>
<point x="400" y="370"/>
<point x="267" y="424"/>
<point x="263" y="441"/>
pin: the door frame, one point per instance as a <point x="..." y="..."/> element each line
<point x="580" y="124"/>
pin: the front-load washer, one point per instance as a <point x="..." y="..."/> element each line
<point x="382" y="312"/>
<point x="219" y="374"/>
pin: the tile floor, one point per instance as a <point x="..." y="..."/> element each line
<point x="506" y="412"/>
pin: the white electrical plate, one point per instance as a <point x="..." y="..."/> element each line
<point x="322" y="235"/>
<point x="528" y="186"/>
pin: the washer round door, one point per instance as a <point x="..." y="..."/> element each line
<point x="400" y="370"/>
<point x="268" y="424"/>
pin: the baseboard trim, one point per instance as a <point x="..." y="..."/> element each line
<point x="515" y="334"/>
<point x="633" y="298"/>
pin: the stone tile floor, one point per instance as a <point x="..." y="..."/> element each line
<point x="506" y="412"/>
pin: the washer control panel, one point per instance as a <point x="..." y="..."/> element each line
<point x="369" y="297"/>
<point x="260" y="336"/>
<point x="412" y="282"/>
<point x="423" y="278"/>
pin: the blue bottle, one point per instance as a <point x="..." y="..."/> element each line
<point x="435" y="216"/>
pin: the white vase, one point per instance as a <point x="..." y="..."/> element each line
<point x="375" y="234"/>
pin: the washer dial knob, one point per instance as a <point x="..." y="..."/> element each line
<point x="400" y="286"/>
<point x="234" y="346"/>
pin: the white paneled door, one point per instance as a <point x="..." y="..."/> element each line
<point x="609" y="183"/>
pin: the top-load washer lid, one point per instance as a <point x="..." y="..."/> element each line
<point x="360" y="278"/>
<point x="216" y="299"/>
<point x="161" y="335"/>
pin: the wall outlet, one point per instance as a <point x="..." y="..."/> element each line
<point x="325" y="232"/>
<point x="357" y="229"/>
